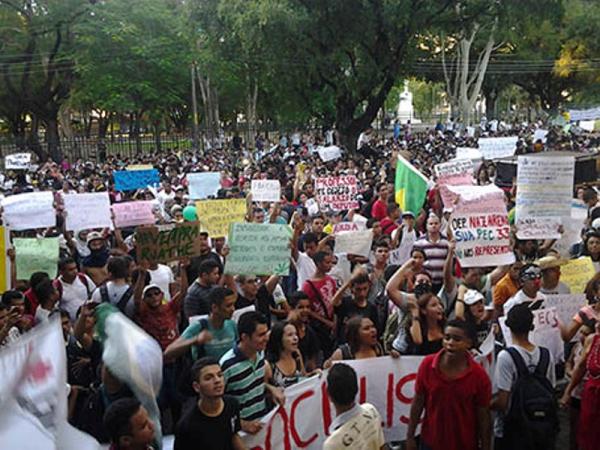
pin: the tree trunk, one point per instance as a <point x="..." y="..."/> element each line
<point x="52" y="138"/>
<point x="156" y="129"/>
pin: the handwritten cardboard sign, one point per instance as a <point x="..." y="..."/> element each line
<point x="576" y="274"/>
<point x="539" y="228"/>
<point x="35" y="255"/>
<point x="215" y="216"/>
<point x="259" y="249"/>
<point x="348" y="227"/>
<point x="480" y="227"/>
<point x="337" y="193"/>
<point x="130" y="180"/>
<point x="266" y="190"/>
<point x="132" y="214"/>
<point x="329" y="153"/>
<point x="544" y="186"/>
<point x="354" y="242"/>
<point x="17" y="161"/>
<point x="498" y="147"/>
<point x="567" y="306"/>
<point x="29" y="211"/>
<point x="168" y="243"/>
<point x="86" y="211"/>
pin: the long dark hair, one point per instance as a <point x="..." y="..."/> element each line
<point x="353" y="332"/>
<point x="422" y="302"/>
<point x="275" y="344"/>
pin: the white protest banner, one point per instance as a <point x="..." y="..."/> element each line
<point x="384" y="382"/>
<point x="17" y="161"/>
<point x="89" y="210"/>
<point x="567" y="305"/>
<point x="266" y="191"/>
<point x="468" y="153"/>
<point x="347" y="227"/>
<point x="539" y="228"/>
<point x="540" y="135"/>
<point x="498" y="147"/>
<point x="30" y="210"/>
<point x="546" y="332"/>
<point x="329" y="153"/>
<point x="471" y="131"/>
<point x="480" y="226"/>
<point x="131" y="214"/>
<point x="203" y="185"/>
<point x="584" y="114"/>
<point x="354" y="243"/>
<point x="544" y="186"/>
<point x="33" y="393"/>
<point x="588" y="125"/>
<point x="337" y="193"/>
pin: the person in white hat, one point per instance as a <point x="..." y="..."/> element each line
<point x="551" y="283"/>
<point x="476" y="314"/>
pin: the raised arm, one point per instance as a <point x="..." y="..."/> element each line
<point x="392" y="287"/>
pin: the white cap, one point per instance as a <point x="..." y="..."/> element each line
<point x="472" y="296"/>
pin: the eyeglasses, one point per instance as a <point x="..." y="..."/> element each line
<point x="252" y="280"/>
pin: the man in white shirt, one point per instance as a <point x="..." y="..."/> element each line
<point x="551" y="284"/>
<point x="74" y="288"/>
<point x="530" y="277"/>
<point x="355" y="426"/>
<point x="162" y="276"/>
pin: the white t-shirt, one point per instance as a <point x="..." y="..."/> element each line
<point x="521" y="297"/>
<point x="305" y="267"/>
<point x="505" y="376"/>
<point x="402" y="254"/>
<point x="75" y="294"/>
<point x="115" y="293"/>
<point x="163" y="277"/>
<point x="357" y="429"/>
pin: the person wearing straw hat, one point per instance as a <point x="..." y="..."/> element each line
<point x="551" y="284"/>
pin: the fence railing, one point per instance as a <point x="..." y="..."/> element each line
<point x="94" y="149"/>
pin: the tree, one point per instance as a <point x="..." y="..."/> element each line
<point x="37" y="66"/>
<point x="134" y="59"/>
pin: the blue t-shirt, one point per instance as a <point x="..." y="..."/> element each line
<point x="223" y="339"/>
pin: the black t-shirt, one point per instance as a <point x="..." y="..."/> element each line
<point x="348" y="308"/>
<point x="198" y="431"/>
<point x="264" y="300"/>
<point x="309" y="345"/>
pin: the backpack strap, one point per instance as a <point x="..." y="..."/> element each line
<point x="542" y="367"/>
<point x="122" y="303"/>
<point x="104" y="294"/>
<point x="518" y="360"/>
<point x="59" y="287"/>
<point x="84" y="280"/>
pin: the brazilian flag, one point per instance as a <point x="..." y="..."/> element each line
<point x="411" y="186"/>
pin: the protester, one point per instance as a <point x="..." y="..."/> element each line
<point x="213" y="421"/>
<point x="284" y="357"/>
<point x="530" y="277"/>
<point x="455" y="393"/>
<point x="355" y="426"/>
<point x="129" y="426"/>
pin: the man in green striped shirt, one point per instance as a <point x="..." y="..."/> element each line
<point x="247" y="374"/>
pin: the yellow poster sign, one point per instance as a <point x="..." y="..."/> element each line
<point x="576" y="274"/>
<point x="4" y="261"/>
<point x="215" y="216"/>
<point x="139" y="167"/>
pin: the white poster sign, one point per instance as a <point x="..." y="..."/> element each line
<point x="329" y="153"/>
<point x="468" y="153"/>
<point x="540" y="135"/>
<point x="86" y="211"/>
<point x="498" y="147"/>
<point x="17" y="161"/>
<point x="544" y="186"/>
<point x="30" y="210"/>
<point x="203" y="184"/>
<point x="539" y="228"/>
<point x="266" y="191"/>
<point x="567" y="306"/>
<point x="131" y="214"/>
<point x="354" y="243"/>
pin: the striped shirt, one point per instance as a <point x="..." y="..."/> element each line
<point x="435" y="254"/>
<point x="245" y="381"/>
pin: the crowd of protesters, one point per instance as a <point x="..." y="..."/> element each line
<point x="409" y="297"/>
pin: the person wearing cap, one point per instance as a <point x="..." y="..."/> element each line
<point x="551" y="283"/>
<point x="530" y="278"/>
<point x="160" y="320"/>
<point x="95" y="264"/>
<point x="476" y="314"/>
<point x="520" y="322"/>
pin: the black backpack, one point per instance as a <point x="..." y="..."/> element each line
<point x="532" y="420"/>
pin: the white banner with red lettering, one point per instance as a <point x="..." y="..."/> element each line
<point x="387" y="383"/>
<point x="337" y="193"/>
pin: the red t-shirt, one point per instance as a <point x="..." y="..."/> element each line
<point x="388" y="226"/>
<point x="379" y="210"/>
<point x="450" y="421"/>
<point x="321" y="304"/>
<point x="160" y="323"/>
